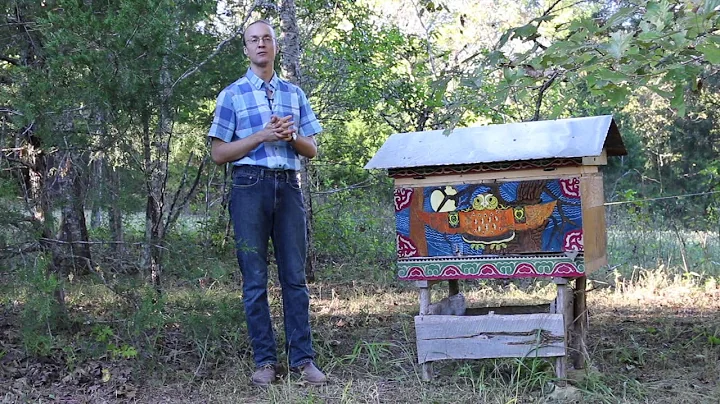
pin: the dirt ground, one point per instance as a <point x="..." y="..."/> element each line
<point x="654" y="343"/>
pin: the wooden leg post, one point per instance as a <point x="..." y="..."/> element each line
<point x="453" y="287"/>
<point x="580" y="325"/>
<point x="424" y="305"/>
<point x="563" y="306"/>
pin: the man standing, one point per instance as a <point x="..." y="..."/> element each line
<point x="262" y="125"/>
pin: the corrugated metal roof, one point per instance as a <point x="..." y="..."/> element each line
<point x="564" y="138"/>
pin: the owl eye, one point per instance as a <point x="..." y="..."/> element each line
<point x="491" y="201"/>
<point x="478" y="202"/>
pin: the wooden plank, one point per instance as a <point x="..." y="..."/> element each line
<point x="453" y="287"/>
<point x="591" y="190"/>
<point x="427" y="371"/>
<point x="496" y="176"/>
<point x="578" y="338"/>
<point x="491" y="336"/>
<point x="600" y="160"/>
<point x="593" y="216"/>
<point x="527" y="309"/>
<point x="563" y="308"/>
<point x="425" y="283"/>
<point x="424" y="300"/>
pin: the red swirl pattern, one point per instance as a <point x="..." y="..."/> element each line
<point x="403" y="196"/>
<point x="570" y="187"/>
<point x="405" y="247"/>
<point x="573" y="240"/>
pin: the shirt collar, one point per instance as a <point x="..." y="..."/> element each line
<point x="257" y="82"/>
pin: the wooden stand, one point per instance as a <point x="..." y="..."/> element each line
<point x="578" y="337"/>
<point x="424" y="305"/>
<point x="559" y="334"/>
<point x="563" y="305"/>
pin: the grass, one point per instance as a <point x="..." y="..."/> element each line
<point x="654" y="334"/>
<point x="654" y="337"/>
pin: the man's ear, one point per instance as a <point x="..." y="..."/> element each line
<point x="245" y="50"/>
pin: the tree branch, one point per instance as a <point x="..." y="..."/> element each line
<point x="219" y="48"/>
<point x="10" y="60"/>
<point x="8" y="110"/>
<point x="545" y="86"/>
<point x="173" y="212"/>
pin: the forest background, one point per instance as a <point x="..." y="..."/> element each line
<point x="117" y="267"/>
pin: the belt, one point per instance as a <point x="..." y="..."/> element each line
<point x="264" y="172"/>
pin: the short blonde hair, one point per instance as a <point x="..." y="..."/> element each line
<point x="260" y="21"/>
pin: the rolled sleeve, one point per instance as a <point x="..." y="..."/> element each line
<point x="223" y="125"/>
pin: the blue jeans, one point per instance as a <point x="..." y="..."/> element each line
<point x="268" y="204"/>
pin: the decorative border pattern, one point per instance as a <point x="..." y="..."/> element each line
<point x="478" y="168"/>
<point x="491" y="268"/>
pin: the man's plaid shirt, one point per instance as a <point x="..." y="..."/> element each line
<point x="243" y="109"/>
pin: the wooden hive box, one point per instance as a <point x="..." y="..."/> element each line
<point x="501" y="201"/>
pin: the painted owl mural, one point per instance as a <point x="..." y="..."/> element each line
<point x="486" y="219"/>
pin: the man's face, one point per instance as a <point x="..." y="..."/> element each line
<point x="260" y="44"/>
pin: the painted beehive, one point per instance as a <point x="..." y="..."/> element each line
<point x="501" y="201"/>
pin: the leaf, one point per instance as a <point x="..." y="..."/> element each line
<point x="105" y="375"/>
<point x="616" y="95"/>
<point x="679" y="38"/>
<point x="621" y="16"/>
<point x="439" y="87"/>
<point x="504" y="38"/>
<point x="619" y="43"/>
<point x="501" y="95"/>
<point x="678" y="100"/>
<point x="710" y="5"/>
<point x="612" y="76"/>
<point x="660" y="92"/>
<point x="711" y="52"/>
<point x="649" y="36"/>
<point x="713" y="340"/>
<point x="658" y="14"/>
<point x="525" y="31"/>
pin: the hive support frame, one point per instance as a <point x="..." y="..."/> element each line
<point x="570" y="302"/>
<point x="425" y="287"/>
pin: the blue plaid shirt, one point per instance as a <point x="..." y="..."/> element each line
<point x="243" y="109"/>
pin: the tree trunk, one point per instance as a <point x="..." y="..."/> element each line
<point x="74" y="251"/>
<point x="35" y="170"/>
<point x="33" y="183"/>
<point x="290" y="65"/>
<point x="156" y="159"/>
<point x="148" y="264"/>
<point x="97" y="183"/>
<point x="115" y="213"/>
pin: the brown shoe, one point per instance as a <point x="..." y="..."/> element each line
<point x="264" y="375"/>
<point x="310" y="374"/>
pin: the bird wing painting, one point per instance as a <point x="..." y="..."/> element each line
<point x="483" y="219"/>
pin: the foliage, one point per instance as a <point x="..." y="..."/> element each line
<point x="86" y="77"/>
<point x="666" y="47"/>
<point x="352" y="225"/>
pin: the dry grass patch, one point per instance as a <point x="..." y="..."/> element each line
<point x="654" y="338"/>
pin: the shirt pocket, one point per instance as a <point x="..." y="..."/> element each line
<point x="289" y="105"/>
<point x="250" y="115"/>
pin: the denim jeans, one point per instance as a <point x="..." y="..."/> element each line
<point x="268" y="204"/>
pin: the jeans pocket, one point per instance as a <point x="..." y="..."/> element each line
<point x="245" y="181"/>
<point x="294" y="183"/>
